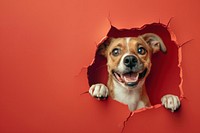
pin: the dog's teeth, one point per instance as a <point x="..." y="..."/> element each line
<point x="118" y="76"/>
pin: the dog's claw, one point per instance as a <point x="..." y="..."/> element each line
<point x="171" y="102"/>
<point x="101" y="97"/>
<point x="99" y="91"/>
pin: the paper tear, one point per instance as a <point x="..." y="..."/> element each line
<point x="124" y="123"/>
<point x="82" y="69"/>
<point x="169" y="22"/>
<point x="86" y="92"/>
<point x="138" y="111"/>
<point x="181" y="72"/>
<point x="185" y="43"/>
<point x="181" y="69"/>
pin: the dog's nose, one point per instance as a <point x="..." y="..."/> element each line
<point x="130" y="61"/>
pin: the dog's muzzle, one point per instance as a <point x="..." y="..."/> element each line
<point x="130" y="79"/>
<point x="134" y="71"/>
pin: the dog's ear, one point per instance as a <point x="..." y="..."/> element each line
<point x="102" y="46"/>
<point x="155" y="42"/>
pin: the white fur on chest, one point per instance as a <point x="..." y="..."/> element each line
<point x="127" y="96"/>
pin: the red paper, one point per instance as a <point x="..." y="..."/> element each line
<point x="45" y="44"/>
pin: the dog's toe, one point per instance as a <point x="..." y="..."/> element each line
<point x="171" y="102"/>
<point x="99" y="91"/>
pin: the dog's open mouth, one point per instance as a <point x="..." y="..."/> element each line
<point x="130" y="79"/>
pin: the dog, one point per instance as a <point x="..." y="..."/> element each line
<point x="128" y="65"/>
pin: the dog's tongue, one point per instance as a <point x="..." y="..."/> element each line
<point x="131" y="77"/>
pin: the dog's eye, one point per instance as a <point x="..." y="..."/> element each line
<point x="115" y="51"/>
<point x="142" y="50"/>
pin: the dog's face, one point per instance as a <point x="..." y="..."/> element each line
<point x="129" y="58"/>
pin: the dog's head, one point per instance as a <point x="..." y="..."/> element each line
<point x="129" y="58"/>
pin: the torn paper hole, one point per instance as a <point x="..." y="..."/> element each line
<point x="166" y="73"/>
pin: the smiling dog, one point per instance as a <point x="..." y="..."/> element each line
<point x="128" y="64"/>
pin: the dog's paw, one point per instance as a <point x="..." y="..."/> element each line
<point x="171" y="102"/>
<point x="99" y="91"/>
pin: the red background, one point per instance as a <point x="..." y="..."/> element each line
<point x="44" y="44"/>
